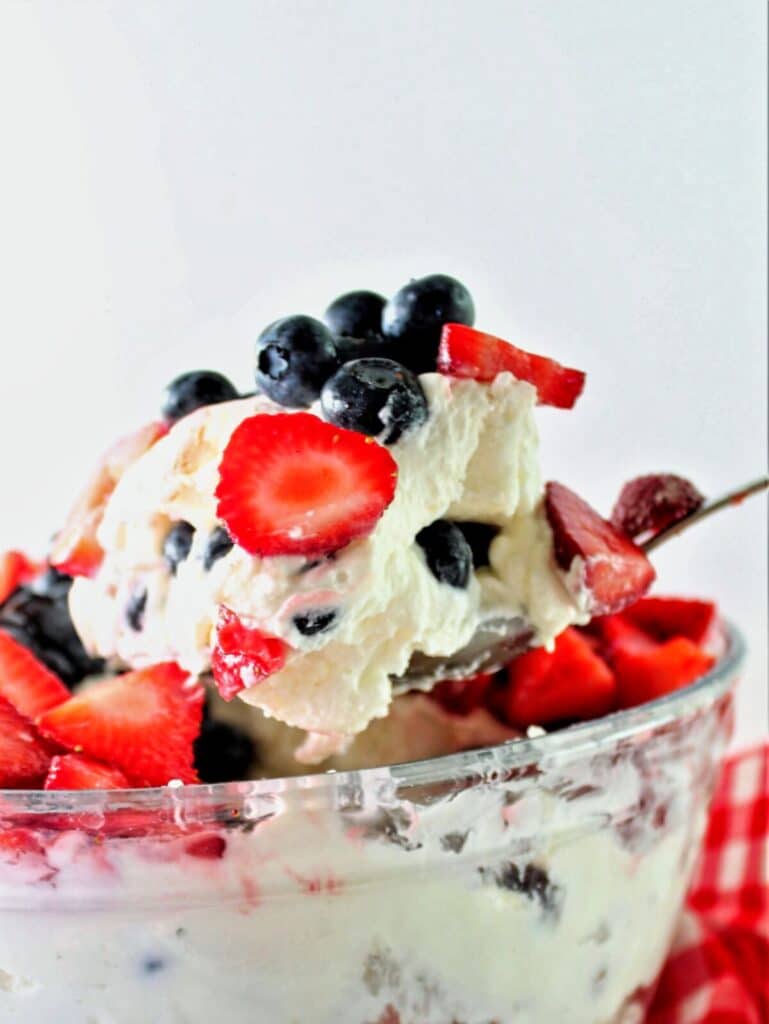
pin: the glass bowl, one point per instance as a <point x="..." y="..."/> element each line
<point x="536" y="881"/>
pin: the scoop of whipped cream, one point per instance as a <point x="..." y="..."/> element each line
<point x="474" y="459"/>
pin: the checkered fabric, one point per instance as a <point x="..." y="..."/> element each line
<point x="718" y="968"/>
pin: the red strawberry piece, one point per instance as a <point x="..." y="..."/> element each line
<point x="616" y="633"/>
<point x="209" y="846"/>
<point x="666" y="617"/>
<point x="651" y="503"/>
<point x="614" y="571"/>
<point x="291" y="484"/>
<point x="15" y="569"/>
<point x="16" y="843"/>
<point x="25" y="682"/>
<point x="461" y="696"/>
<point x="570" y="682"/>
<point x="74" y="771"/>
<point x="465" y="352"/>
<point x="243" y="656"/>
<point x="76" y="550"/>
<point x="647" y="675"/>
<point x="142" y="722"/>
<point x="24" y="755"/>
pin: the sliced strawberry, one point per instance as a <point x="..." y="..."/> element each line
<point x="461" y="696"/>
<point x="647" y="675"/>
<point x="616" y="633"/>
<point x="243" y="656"/>
<point x="142" y="722"/>
<point x="24" y="755"/>
<point x="25" y="682"/>
<point x="570" y="682"/>
<point x="650" y="503"/>
<point x="15" y="569"/>
<point x="667" y="617"/>
<point x="76" y="550"/>
<point x="465" y="352"/>
<point x="73" y="771"/>
<point x="291" y="484"/>
<point x="613" y="572"/>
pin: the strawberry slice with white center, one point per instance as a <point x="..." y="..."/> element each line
<point x="465" y="352"/>
<point x="243" y="656"/>
<point x="613" y="571"/>
<point x="291" y="484"/>
<point x="24" y="755"/>
<point x="73" y="771"/>
<point x="26" y="683"/>
<point x="15" y="569"/>
<point x="142" y="722"/>
<point x="76" y="550"/>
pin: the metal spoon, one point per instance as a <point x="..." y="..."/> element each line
<point x="499" y="640"/>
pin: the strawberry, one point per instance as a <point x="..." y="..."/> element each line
<point x="16" y="843"/>
<point x="24" y="756"/>
<point x="614" y="571"/>
<point x="73" y="771"/>
<point x="461" y="696"/>
<point x="616" y="633"/>
<point x="142" y="722"/>
<point x="667" y="617"/>
<point x="646" y="675"/>
<point x="651" y="503"/>
<point x="15" y="569"/>
<point x="243" y="656"/>
<point x="570" y="682"/>
<point x="290" y="484"/>
<point x="25" y="682"/>
<point x="76" y="550"/>
<point x="465" y="352"/>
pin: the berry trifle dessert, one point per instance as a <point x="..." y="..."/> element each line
<point x="323" y="707"/>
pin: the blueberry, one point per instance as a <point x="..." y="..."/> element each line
<point x="193" y="390"/>
<point x="374" y="396"/>
<point x="135" y="609"/>
<point x="294" y="358"/>
<point x="479" y="536"/>
<point x="356" y="315"/>
<point x="52" y="583"/>
<point x="415" y="315"/>
<point x="218" y="545"/>
<point x="317" y="620"/>
<point x="223" y="753"/>
<point x="176" y="546"/>
<point x="533" y="882"/>
<point x="448" y="554"/>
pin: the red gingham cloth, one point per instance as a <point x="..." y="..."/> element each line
<point x="718" y="969"/>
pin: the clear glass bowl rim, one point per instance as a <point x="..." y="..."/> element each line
<point x="586" y="738"/>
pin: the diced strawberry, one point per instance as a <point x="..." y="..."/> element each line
<point x="667" y="617"/>
<point x="142" y="722"/>
<point x="76" y="550"/>
<point x="646" y="675"/>
<point x="242" y="655"/>
<point x="208" y="846"/>
<point x="465" y="352"/>
<point x="16" y="843"/>
<point x="74" y="771"/>
<point x="291" y="484"/>
<point x="571" y="682"/>
<point x="461" y="696"/>
<point x="616" y="633"/>
<point x="25" y="682"/>
<point x="650" y="503"/>
<point x="614" y="571"/>
<point x="24" y="755"/>
<point x="15" y="569"/>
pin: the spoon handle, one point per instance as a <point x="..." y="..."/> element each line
<point x="735" y="497"/>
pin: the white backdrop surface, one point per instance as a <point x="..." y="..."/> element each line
<point x="176" y="174"/>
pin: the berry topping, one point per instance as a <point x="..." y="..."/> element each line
<point x="193" y="390"/>
<point x="73" y="771"/>
<point x="467" y="353"/>
<point x="218" y="545"/>
<point x="243" y="656"/>
<point x="24" y="755"/>
<point x="356" y="315"/>
<point x="666" y="617"/>
<point x="177" y="545"/>
<point x="479" y="536"/>
<point x="15" y="569"/>
<point x="375" y="397"/>
<point x="447" y="553"/>
<point x="76" y="551"/>
<point x="136" y="608"/>
<point x="570" y="682"/>
<point x="644" y="675"/>
<point x="317" y="620"/>
<point x="294" y="358"/>
<point x="414" y="317"/>
<point x="461" y="696"/>
<point x="613" y="572"/>
<point x="651" y="503"/>
<point x="143" y="722"/>
<point x="223" y="753"/>
<point x="25" y="682"/>
<point x="290" y="484"/>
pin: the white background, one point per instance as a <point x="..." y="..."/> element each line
<point x="176" y="174"/>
